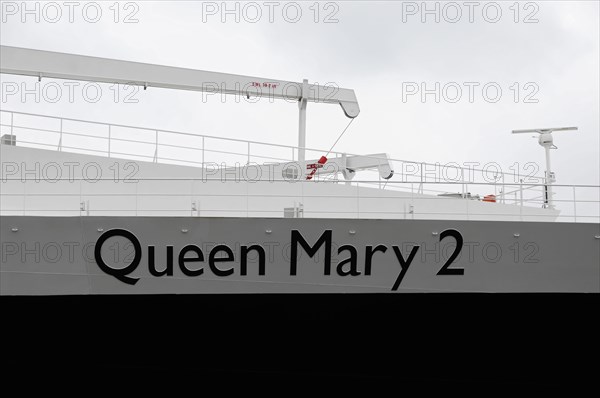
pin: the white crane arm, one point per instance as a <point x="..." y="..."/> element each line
<point x="38" y="63"/>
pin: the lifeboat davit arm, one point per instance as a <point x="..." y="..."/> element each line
<point x="55" y="65"/>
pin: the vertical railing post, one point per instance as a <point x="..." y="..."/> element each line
<point x="421" y="186"/>
<point x="574" y="205"/>
<point x="358" y="200"/>
<point x="467" y="202"/>
<point x="81" y="203"/>
<point x="136" y="199"/>
<point x="411" y="207"/>
<point x="60" y="136"/>
<point x="495" y="185"/>
<point x="156" y="148"/>
<point x="193" y="202"/>
<point x="24" y="198"/>
<point x="202" y="152"/>
<point x="248" y="162"/>
<point x="302" y="182"/>
<point x="521" y="199"/>
<point x="521" y="191"/>
<point x="462" y="180"/>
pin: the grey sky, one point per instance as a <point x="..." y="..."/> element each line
<point x="371" y="50"/>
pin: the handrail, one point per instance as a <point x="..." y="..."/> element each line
<point x="403" y="181"/>
<point x="153" y="130"/>
<point x="309" y="181"/>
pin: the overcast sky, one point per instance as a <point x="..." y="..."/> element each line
<point x="547" y="52"/>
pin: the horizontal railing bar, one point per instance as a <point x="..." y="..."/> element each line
<point x="311" y="181"/>
<point x="39" y="143"/>
<point x="31" y="128"/>
<point x="321" y="212"/>
<point x="158" y="194"/>
<point x="130" y="154"/>
<point x="160" y="130"/>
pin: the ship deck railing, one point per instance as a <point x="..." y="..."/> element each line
<point x="576" y="202"/>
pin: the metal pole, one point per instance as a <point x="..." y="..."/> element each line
<point x="357" y="200"/>
<point x="521" y="192"/>
<point x="574" y="205"/>
<point x="411" y="206"/>
<point x="548" y="185"/>
<point x="462" y="179"/>
<point x="421" y="185"/>
<point x="156" y="148"/>
<point x="302" y="121"/>
<point x="61" y="135"/>
<point x="521" y="199"/>
<point x="466" y="201"/>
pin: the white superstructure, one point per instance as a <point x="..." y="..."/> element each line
<point x="88" y="166"/>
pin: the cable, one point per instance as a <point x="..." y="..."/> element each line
<point x="336" y="141"/>
<point x="323" y="159"/>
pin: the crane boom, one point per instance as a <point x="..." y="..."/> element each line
<point x="39" y="63"/>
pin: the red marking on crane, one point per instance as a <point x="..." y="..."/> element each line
<point x="489" y="198"/>
<point x="265" y="84"/>
<point x="315" y="166"/>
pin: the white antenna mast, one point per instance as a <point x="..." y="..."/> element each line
<point x="546" y="140"/>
